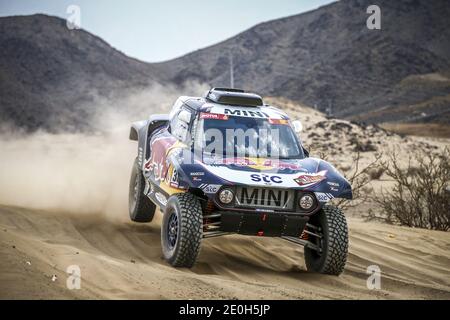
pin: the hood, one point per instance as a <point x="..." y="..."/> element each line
<point x="309" y="174"/>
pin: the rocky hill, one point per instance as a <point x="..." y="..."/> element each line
<point x="49" y="74"/>
<point x="328" y="58"/>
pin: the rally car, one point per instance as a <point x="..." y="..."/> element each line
<point x="227" y="163"/>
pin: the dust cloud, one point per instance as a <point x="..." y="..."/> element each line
<point x="81" y="173"/>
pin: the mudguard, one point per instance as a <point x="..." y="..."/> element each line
<point x="141" y="130"/>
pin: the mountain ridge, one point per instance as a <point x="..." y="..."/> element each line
<point x="322" y="65"/>
<point x="49" y="74"/>
<point x="325" y="58"/>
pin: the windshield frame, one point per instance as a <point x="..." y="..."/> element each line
<point x="199" y="138"/>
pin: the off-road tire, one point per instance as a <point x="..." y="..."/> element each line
<point x="189" y="213"/>
<point x="334" y="243"/>
<point x="141" y="208"/>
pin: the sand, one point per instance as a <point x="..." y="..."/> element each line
<point x="124" y="261"/>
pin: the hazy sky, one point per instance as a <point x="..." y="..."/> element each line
<point x="160" y="30"/>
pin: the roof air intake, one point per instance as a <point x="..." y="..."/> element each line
<point x="235" y="97"/>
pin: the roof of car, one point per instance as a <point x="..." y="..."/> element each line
<point x="264" y="111"/>
<point x="230" y="104"/>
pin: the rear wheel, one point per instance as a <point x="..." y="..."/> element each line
<point x="181" y="230"/>
<point x="333" y="244"/>
<point x="141" y="208"/>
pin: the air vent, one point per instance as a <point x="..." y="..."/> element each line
<point x="235" y="97"/>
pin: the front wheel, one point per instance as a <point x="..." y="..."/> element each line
<point x="181" y="230"/>
<point x="333" y="244"/>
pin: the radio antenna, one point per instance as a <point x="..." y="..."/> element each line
<point x="231" y="69"/>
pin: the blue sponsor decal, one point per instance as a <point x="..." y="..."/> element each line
<point x="266" y="178"/>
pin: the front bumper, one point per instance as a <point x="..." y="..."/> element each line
<point x="270" y="224"/>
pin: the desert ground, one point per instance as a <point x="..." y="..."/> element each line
<point x="64" y="202"/>
<point x="123" y="261"/>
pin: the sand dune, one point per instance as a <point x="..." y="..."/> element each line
<point x="123" y="260"/>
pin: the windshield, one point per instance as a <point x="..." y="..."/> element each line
<point x="233" y="136"/>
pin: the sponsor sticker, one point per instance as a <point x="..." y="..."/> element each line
<point x="324" y="197"/>
<point x="260" y="164"/>
<point x="210" y="188"/>
<point x="213" y="116"/>
<point x="200" y="173"/>
<point x="174" y="178"/>
<point x="266" y="178"/>
<point x="309" y="179"/>
<point x="251" y="112"/>
<point x="161" y="198"/>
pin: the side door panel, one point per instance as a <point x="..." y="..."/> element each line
<point x="158" y="170"/>
<point x="156" y="166"/>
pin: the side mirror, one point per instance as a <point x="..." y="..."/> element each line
<point x="185" y="116"/>
<point x="297" y="125"/>
<point x="181" y="131"/>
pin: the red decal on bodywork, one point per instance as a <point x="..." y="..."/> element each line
<point x="213" y="116"/>
<point x="308" y="179"/>
<point x="157" y="162"/>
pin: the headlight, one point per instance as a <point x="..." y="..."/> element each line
<point x="226" y="196"/>
<point x="306" y="202"/>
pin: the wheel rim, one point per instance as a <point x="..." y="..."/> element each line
<point x="172" y="230"/>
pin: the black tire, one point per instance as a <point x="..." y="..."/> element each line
<point x="334" y="243"/>
<point x="181" y="249"/>
<point x="141" y="208"/>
